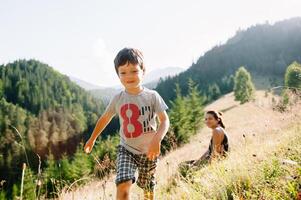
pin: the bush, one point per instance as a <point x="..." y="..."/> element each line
<point x="292" y="76"/>
<point x="243" y="86"/>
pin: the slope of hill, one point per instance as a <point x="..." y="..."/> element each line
<point x="265" y="50"/>
<point x="51" y="113"/>
<point x="35" y="86"/>
<point x="54" y="108"/>
<point x="253" y="120"/>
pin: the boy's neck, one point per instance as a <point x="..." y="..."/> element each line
<point x="135" y="90"/>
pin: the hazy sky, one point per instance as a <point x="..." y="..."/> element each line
<point x="80" y="38"/>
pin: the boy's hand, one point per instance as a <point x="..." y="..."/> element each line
<point x="89" y="145"/>
<point x="100" y="125"/>
<point x="154" y="150"/>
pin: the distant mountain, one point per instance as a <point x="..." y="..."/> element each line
<point x="151" y="80"/>
<point x="84" y="84"/>
<point x="105" y="94"/>
<point x="265" y="50"/>
<point x="100" y="92"/>
<point x="155" y="75"/>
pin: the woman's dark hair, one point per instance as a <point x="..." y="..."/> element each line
<point x="217" y="116"/>
<point x="129" y="55"/>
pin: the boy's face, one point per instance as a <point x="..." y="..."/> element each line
<point x="130" y="75"/>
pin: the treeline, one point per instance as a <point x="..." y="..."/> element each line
<point x="265" y="50"/>
<point x="35" y="86"/>
<point x="51" y="113"/>
<point x="49" y="179"/>
<point x="48" y="108"/>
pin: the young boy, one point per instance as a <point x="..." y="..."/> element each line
<point x="140" y="139"/>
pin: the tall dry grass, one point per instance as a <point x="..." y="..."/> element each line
<point x="262" y="167"/>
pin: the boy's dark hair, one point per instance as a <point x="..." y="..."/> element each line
<point x="129" y="55"/>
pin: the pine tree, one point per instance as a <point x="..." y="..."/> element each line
<point x="54" y="175"/>
<point x="244" y="88"/>
<point x="29" y="191"/>
<point x="179" y="117"/>
<point x="2" y="195"/>
<point x="195" y="106"/>
<point x="214" y="91"/>
<point x="293" y="76"/>
<point x="15" y="192"/>
<point x="1" y="88"/>
<point x="80" y="166"/>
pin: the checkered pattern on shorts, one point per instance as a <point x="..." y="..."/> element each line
<point x="128" y="163"/>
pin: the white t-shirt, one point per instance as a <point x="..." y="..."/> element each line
<point x="137" y="118"/>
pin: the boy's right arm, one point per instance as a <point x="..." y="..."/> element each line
<point x="100" y="125"/>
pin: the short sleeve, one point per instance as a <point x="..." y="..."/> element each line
<point x="160" y="105"/>
<point x="111" y="108"/>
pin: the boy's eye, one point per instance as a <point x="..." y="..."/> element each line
<point x="122" y="72"/>
<point x="135" y="71"/>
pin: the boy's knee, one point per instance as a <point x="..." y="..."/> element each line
<point x="125" y="185"/>
<point x="123" y="190"/>
<point x="124" y="195"/>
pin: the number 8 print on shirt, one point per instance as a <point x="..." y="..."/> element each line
<point x="131" y="126"/>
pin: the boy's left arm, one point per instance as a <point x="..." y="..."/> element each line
<point x="154" y="148"/>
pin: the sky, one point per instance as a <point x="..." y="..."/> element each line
<point x="81" y="38"/>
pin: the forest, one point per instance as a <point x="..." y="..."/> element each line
<point x="264" y="49"/>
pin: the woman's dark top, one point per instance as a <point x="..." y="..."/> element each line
<point x="225" y="143"/>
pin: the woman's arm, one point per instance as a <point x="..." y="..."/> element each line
<point x="217" y="139"/>
<point x="205" y="155"/>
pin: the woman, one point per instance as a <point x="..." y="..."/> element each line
<point x="218" y="146"/>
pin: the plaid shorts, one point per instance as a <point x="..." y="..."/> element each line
<point x="128" y="163"/>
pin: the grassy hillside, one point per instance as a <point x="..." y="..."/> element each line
<point x="265" y="167"/>
<point x="256" y="133"/>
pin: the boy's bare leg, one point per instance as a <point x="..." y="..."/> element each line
<point x="148" y="195"/>
<point x="123" y="190"/>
